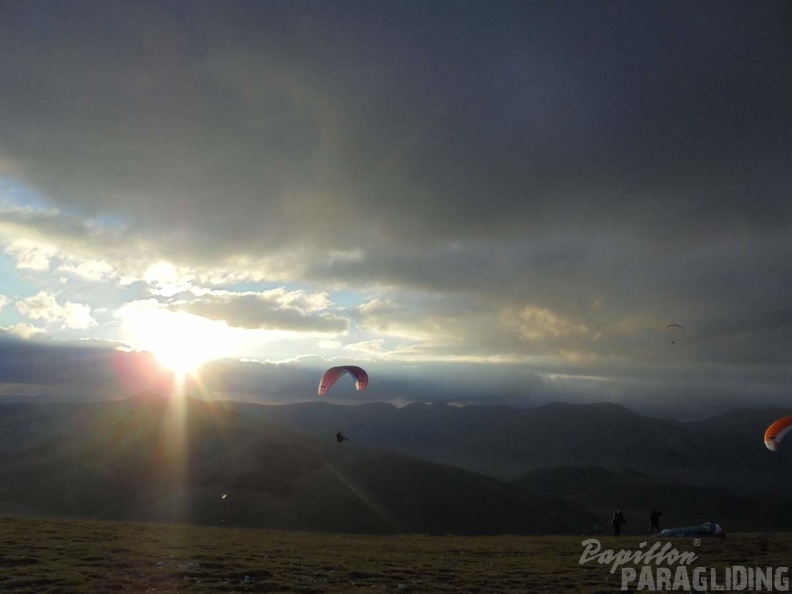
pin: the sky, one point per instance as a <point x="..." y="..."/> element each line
<point x="479" y="202"/>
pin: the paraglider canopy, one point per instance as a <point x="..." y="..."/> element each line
<point x="705" y="529"/>
<point x="776" y="432"/>
<point x="331" y="375"/>
<point x="674" y="328"/>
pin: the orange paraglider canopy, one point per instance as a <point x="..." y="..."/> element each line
<point x="776" y="432"/>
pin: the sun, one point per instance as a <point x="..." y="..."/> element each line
<point x="180" y="341"/>
<point x="182" y="357"/>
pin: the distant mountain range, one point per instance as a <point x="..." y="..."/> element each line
<point x="433" y="469"/>
<point x="153" y="459"/>
<point x="725" y="451"/>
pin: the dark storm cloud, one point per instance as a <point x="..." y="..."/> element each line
<point x="420" y="123"/>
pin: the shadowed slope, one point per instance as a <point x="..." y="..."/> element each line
<point x="725" y="451"/>
<point x="602" y="491"/>
<point x="151" y="458"/>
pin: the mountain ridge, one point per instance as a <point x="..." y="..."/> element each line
<point x="157" y="459"/>
<point x="726" y="450"/>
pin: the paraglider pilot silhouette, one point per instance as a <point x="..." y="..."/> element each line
<point x="331" y="375"/>
<point x="617" y="521"/>
<point x="654" y="522"/>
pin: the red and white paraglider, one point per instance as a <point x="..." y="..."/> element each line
<point x="331" y="375"/>
<point x="776" y="432"/>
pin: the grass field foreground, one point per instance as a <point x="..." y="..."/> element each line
<point x="48" y="556"/>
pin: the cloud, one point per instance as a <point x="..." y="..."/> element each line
<point x="79" y="370"/>
<point x="101" y="370"/>
<point x="275" y="309"/>
<point x="421" y="182"/>
<point x="252" y="146"/>
<point x="41" y="240"/>
<point x="25" y="331"/>
<point x="30" y="256"/>
<point x="44" y="306"/>
<point x="535" y="323"/>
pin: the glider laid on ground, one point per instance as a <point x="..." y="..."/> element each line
<point x="705" y="529"/>
<point x="331" y="375"/>
<point x="776" y="432"/>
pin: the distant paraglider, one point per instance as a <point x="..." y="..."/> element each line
<point x="674" y="328"/>
<point x="331" y="375"/>
<point x="776" y="432"/>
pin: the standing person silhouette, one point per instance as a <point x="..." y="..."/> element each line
<point x="654" y="522"/>
<point x="618" y="521"/>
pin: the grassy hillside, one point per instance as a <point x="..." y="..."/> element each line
<point x="724" y="451"/>
<point x="147" y="458"/>
<point x="54" y="556"/>
<point x="155" y="459"/>
<point x="602" y="491"/>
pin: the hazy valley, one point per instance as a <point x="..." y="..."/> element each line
<point x="418" y="469"/>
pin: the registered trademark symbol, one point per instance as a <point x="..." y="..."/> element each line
<point x="696" y="542"/>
